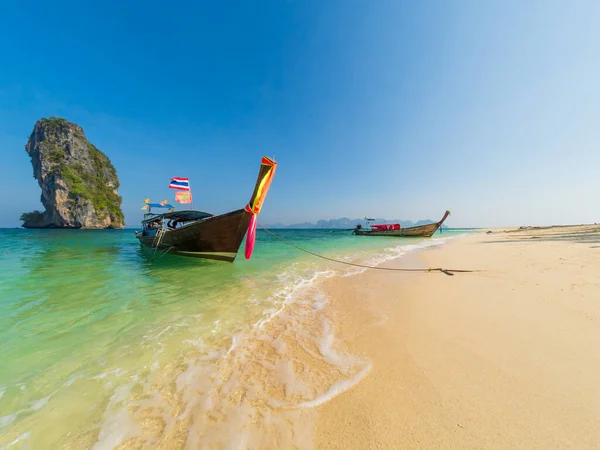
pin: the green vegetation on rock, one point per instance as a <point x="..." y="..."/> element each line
<point x="33" y="217"/>
<point x="52" y="123"/>
<point x="92" y="184"/>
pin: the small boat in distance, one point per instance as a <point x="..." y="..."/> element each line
<point x="396" y="230"/>
<point x="202" y="235"/>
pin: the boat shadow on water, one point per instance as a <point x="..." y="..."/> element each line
<point x="161" y="259"/>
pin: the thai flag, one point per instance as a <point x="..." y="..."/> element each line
<point x="182" y="184"/>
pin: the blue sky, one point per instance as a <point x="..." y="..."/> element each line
<point x="389" y="108"/>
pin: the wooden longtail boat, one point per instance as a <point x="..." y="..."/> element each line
<point x="202" y="235"/>
<point x="418" y="231"/>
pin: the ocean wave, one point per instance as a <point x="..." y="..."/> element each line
<point x="285" y="360"/>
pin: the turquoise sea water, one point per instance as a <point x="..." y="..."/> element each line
<point x="101" y="345"/>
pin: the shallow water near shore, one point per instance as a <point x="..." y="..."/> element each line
<point x="103" y="347"/>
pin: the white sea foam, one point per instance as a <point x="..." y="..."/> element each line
<point x="234" y="341"/>
<point x="117" y="425"/>
<point x="39" y="404"/>
<point x="34" y="406"/>
<point x="248" y="370"/>
<point x="325" y="345"/>
<point x="389" y="254"/>
<point x="320" y="301"/>
<point x="336" y="389"/>
<point x="155" y="337"/>
<point x="116" y="372"/>
<point x="8" y="419"/>
<point x="21" y="439"/>
<point x="287" y="293"/>
<point x="197" y="343"/>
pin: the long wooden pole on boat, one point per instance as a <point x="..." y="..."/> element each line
<point x="191" y="195"/>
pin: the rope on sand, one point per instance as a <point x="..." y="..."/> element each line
<point x="449" y="272"/>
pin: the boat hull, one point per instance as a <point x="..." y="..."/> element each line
<point x="218" y="237"/>
<point x="419" y="231"/>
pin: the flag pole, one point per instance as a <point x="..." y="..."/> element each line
<point x="190" y="186"/>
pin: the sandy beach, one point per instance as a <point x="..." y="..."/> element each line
<point x="508" y="357"/>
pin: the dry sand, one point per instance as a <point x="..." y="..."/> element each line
<point x="504" y="358"/>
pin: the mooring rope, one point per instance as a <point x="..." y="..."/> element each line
<point x="449" y="272"/>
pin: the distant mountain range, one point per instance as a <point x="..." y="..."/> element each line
<point x="346" y="222"/>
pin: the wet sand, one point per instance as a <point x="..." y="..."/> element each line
<point x="504" y="358"/>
